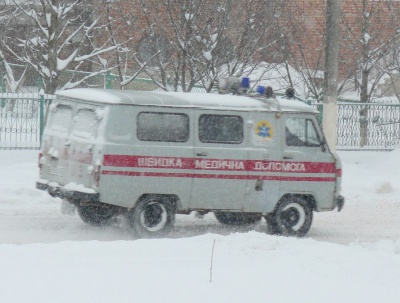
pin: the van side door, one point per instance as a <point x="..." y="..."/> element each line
<point x="307" y="162"/>
<point x="219" y="179"/>
<point x="55" y="164"/>
<point x="264" y="152"/>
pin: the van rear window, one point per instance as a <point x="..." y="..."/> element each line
<point x="61" y="118"/>
<point x="85" y="123"/>
<point x="165" y="127"/>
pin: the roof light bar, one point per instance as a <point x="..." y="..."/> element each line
<point x="234" y="85"/>
<point x="267" y="91"/>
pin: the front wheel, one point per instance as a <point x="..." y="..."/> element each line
<point x="153" y="216"/>
<point x="293" y="217"/>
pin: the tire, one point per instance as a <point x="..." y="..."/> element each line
<point x="153" y="216"/>
<point x="292" y="217"/>
<point x="237" y="219"/>
<point x="271" y="224"/>
<point x="96" y="215"/>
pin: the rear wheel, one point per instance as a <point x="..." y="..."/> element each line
<point x="271" y="224"/>
<point x="96" y="215"/>
<point x="293" y="217"/>
<point x="232" y="218"/>
<point x="153" y="216"/>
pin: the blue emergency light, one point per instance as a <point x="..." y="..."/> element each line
<point x="261" y="89"/>
<point x="246" y="82"/>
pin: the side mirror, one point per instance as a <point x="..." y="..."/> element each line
<point x="323" y="145"/>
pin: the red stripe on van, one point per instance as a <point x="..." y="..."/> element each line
<point x="218" y="164"/>
<point x="216" y="176"/>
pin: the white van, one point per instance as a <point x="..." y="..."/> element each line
<point x="151" y="155"/>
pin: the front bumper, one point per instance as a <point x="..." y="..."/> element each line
<point x="340" y="202"/>
<point x="56" y="190"/>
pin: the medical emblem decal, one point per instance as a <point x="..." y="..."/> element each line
<point x="264" y="131"/>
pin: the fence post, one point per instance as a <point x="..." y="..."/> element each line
<point x="108" y="80"/>
<point x="41" y="108"/>
<point x="3" y="90"/>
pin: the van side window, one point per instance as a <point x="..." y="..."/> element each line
<point x="61" y="118"/>
<point x="221" y="129"/>
<point x="117" y="131"/>
<point x="301" y="132"/>
<point x="165" y="127"/>
<point x="85" y="123"/>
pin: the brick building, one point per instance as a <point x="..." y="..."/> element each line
<point x="368" y="32"/>
<point x="368" y="28"/>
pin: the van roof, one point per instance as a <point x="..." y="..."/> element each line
<point x="178" y="99"/>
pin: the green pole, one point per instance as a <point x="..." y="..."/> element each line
<point x="3" y="90"/>
<point x="321" y="113"/>
<point x="108" y="80"/>
<point x="41" y="108"/>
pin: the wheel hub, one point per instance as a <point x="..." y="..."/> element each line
<point x="293" y="216"/>
<point x="153" y="216"/>
<point x="290" y="217"/>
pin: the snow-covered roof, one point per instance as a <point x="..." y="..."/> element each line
<point x="178" y="99"/>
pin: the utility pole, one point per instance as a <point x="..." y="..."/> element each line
<point x="331" y="72"/>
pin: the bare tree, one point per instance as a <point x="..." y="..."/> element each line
<point x="11" y="79"/>
<point x="122" y="24"/>
<point x="296" y="52"/>
<point x="392" y="67"/>
<point x="171" y="30"/>
<point x="370" y="37"/>
<point x="202" y="41"/>
<point x="57" y="36"/>
<point x="302" y="44"/>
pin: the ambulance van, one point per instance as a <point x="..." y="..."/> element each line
<point x="152" y="155"/>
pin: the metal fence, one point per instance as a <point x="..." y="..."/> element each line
<point x="22" y="119"/>
<point x="367" y="126"/>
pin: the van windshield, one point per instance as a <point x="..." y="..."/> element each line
<point x="301" y="132"/>
<point x="85" y="123"/>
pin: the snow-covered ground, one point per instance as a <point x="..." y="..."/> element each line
<point x="351" y="256"/>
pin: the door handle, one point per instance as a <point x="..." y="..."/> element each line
<point x="201" y="154"/>
<point x="287" y="157"/>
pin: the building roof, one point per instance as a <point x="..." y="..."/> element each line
<point x="178" y="99"/>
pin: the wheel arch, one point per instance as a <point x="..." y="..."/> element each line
<point x="308" y="197"/>
<point x="173" y="199"/>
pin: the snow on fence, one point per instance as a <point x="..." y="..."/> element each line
<point x="21" y="120"/>
<point x="367" y="126"/>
